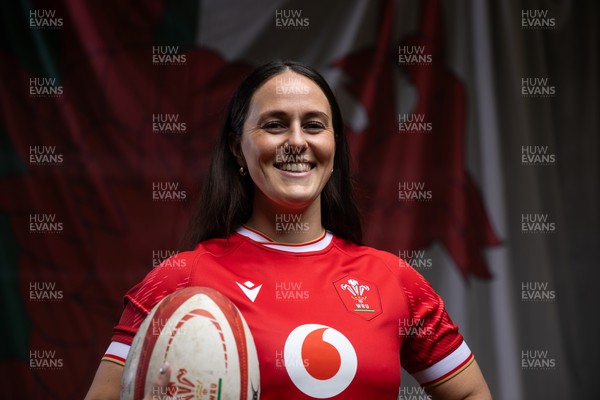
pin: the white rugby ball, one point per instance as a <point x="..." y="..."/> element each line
<point x="207" y="342"/>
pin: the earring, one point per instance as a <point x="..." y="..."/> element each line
<point x="242" y="171"/>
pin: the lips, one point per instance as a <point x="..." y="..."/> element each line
<point x="294" y="167"/>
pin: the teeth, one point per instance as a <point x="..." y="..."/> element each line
<point x="294" y="167"/>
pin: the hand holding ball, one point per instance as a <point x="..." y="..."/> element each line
<point x="206" y="341"/>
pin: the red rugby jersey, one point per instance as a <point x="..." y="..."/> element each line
<point x="330" y="319"/>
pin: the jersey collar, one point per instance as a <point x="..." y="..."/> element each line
<point x="316" y="245"/>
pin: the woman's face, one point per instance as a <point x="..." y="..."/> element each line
<point x="288" y="142"/>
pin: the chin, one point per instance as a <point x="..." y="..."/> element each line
<point x="294" y="200"/>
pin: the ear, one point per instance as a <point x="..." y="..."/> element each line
<point x="236" y="149"/>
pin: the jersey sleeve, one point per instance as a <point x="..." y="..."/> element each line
<point x="433" y="350"/>
<point x="171" y="275"/>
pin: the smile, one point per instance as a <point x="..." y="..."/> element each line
<point x="294" y="167"/>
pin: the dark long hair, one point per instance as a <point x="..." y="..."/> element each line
<point x="226" y="198"/>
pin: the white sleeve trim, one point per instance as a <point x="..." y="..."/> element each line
<point x="444" y="366"/>
<point x="117" y="349"/>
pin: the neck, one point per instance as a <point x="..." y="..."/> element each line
<point x="287" y="226"/>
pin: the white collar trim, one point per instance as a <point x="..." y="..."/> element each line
<point x="316" y="245"/>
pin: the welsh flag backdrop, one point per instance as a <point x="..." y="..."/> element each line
<point x="108" y="114"/>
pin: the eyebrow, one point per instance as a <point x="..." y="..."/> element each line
<point x="283" y="114"/>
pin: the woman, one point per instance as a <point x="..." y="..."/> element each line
<point x="278" y="233"/>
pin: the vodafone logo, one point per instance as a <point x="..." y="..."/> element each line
<point x="320" y="361"/>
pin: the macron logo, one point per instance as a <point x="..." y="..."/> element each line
<point x="250" y="290"/>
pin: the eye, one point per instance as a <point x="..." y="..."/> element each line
<point x="314" y="126"/>
<point x="273" y="126"/>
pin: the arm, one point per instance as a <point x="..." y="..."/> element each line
<point x="159" y="283"/>
<point x="468" y="384"/>
<point x="432" y="357"/>
<point x="107" y="382"/>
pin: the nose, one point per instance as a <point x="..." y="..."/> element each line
<point x="296" y="136"/>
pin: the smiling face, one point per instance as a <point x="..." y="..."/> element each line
<point x="288" y="142"/>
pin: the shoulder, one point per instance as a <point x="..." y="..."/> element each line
<point x="217" y="247"/>
<point x="355" y="250"/>
<point x="413" y="286"/>
<point x="181" y="263"/>
<point x="376" y="257"/>
<point x="175" y="272"/>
